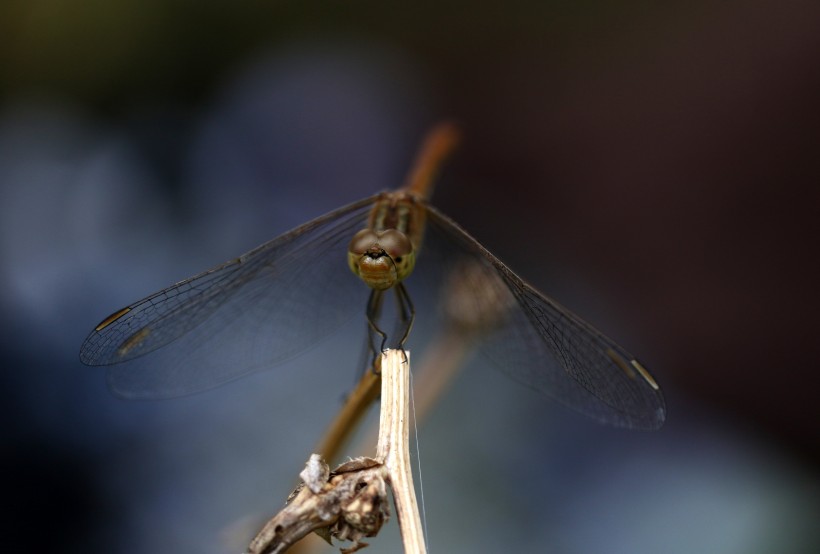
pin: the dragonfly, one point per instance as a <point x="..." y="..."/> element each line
<point x="280" y="299"/>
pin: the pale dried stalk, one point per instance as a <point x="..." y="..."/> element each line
<point x="394" y="446"/>
<point x="351" y="502"/>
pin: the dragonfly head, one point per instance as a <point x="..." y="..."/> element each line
<point x="381" y="258"/>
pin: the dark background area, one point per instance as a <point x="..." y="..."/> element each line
<point x="652" y="166"/>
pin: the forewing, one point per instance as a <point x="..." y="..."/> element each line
<point x="247" y="314"/>
<point x="546" y="347"/>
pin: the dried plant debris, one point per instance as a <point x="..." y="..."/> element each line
<point x="348" y="504"/>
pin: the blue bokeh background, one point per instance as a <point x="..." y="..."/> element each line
<point x="653" y="167"/>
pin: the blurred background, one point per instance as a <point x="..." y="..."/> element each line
<point x="654" y="167"/>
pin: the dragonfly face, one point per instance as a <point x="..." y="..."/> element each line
<point x="381" y="258"/>
<point x="384" y="254"/>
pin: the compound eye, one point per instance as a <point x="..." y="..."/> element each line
<point x="362" y="242"/>
<point x="395" y="243"/>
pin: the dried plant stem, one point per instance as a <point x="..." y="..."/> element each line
<point x="394" y="446"/>
<point x="350" y="503"/>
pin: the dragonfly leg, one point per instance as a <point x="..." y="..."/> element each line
<point x="374" y="304"/>
<point x="407" y="313"/>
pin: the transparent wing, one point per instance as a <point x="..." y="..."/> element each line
<point x="245" y="315"/>
<point x="544" y="346"/>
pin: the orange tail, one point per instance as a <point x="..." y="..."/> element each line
<point x="438" y="145"/>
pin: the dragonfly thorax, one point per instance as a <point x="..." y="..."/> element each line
<point x="381" y="258"/>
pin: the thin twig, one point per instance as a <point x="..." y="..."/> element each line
<point x="354" y="409"/>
